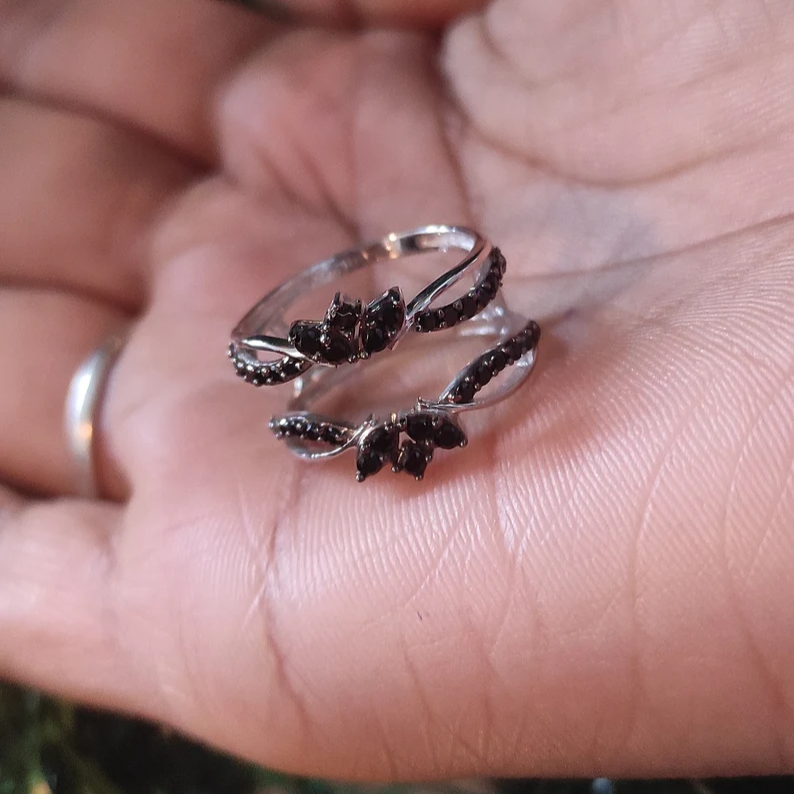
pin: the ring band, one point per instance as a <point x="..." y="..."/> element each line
<point x="352" y="331"/>
<point x="429" y="425"/>
<point x="82" y="408"/>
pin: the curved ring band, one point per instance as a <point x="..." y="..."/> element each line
<point x="430" y="424"/>
<point x="351" y="331"/>
<point x="81" y="411"/>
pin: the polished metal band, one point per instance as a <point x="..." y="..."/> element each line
<point x="82" y="409"/>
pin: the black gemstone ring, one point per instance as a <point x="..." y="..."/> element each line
<point x="407" y="441"/>
<point x="350" y="330"/>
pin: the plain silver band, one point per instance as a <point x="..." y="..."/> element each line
<point x="82" y="409"/>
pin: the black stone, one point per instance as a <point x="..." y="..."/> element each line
<point x="420" y="426"/>
<point x="336" y="347"/>
<point x="513" y="349"/>
<point x="333" y="435"/>
<point x="465" y="392"/>
<point x="483" y="374"/>
<point x="311" y="433"/>
<point x="368" y="463"/>
<point x="469" y="306"/>
<point x="489" y="286"/>
<point x="426" y="322"/>
<point x="414" y="459"/>
<point x="498" y="361"/>
<point x="373" y="340"/>
<point x="449" y="435"/>
<point x="343" y="315"/>
<point x="385" y="441"/>
<point x="306" y="337"/>
<point x="451" y="317"/>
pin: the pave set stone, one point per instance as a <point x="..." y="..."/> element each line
<point x="426" y="430"/>
<point x="480" y="372"/>
<point x="265" y="373"/>
<point x="471" y="304"/>
<point x="311" y="429"/>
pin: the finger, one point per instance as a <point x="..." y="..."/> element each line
<point x="153" y="65"/>
<point x="78" y="200"/>
<point x="44" y="337"/>
<point x="416" y="13"/>
<point x="350" y="126"/>
<point x="66" y="594"/>
<point x="615" y="93"/>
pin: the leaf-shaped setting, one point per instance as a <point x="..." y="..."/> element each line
<point x="413" y="459"/>
<point x="343" y="314"/>
<point x="382" y="321"/>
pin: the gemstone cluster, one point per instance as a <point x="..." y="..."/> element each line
<point x="483" y="369"/>
<point x="426" y="431"/>
<point x="471" y="304"/>
<point x="265" y="373"/>
<point x="348" y="331"/>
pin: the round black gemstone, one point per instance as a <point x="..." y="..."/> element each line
<point x="311" y="434"/>
<point x="451" y="317"/>
<point x="426" y="322"/>
<point x="336" y="348"/>
<point x="483" y="374"/>
<point x="368" y="463"/>
<point x="306" y="338"/>
<point x="333" y="435"/>
<point x="449" y="435"/>
<point x="498" y="361"/>
<point x="413" y="459"/>
<point x="513" y="349"/>
<point x="391" y="315"/>
<point x="373" y="340"/>
<point x="385" y="441"/>
<point x="465" y="392"/>
<point x="489" y="286"/>
<point x="469" y="306"/>
<point x="420" y="426"/>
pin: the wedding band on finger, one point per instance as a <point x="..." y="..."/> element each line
<point x="407" y="440"/>
<point x="351" y="330"/>
<point x="83" y="408"/>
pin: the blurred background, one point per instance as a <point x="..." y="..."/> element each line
<point x="51" y="747"/>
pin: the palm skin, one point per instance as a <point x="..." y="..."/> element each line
<point x="605" y="588"/>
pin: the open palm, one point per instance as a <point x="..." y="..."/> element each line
<point x="604" y="586"/>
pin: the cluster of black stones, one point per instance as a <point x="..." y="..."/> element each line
<point x="265" y="373"/>
<point x="349" y="332"/>
<point x="311" y="430"/>
<point x="332" y="341"/>
<point x="381" y="321"/>
<point x="426" y="431"/>
<point x="486" y="367"/>
<point x="471" y="304"/>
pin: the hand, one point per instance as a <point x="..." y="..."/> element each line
<point x="605" y="587"/>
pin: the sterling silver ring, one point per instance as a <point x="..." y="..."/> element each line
<point x="351" y="331"/>
<point x="406" y="441"/>
<point x="82" y="409"/>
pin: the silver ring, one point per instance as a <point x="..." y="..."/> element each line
<point x="351" y="331"/>
<point x="82" y="409"/>
<point x="407" y="440"/>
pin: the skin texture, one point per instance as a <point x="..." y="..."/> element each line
<point x="604" y="586"/>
